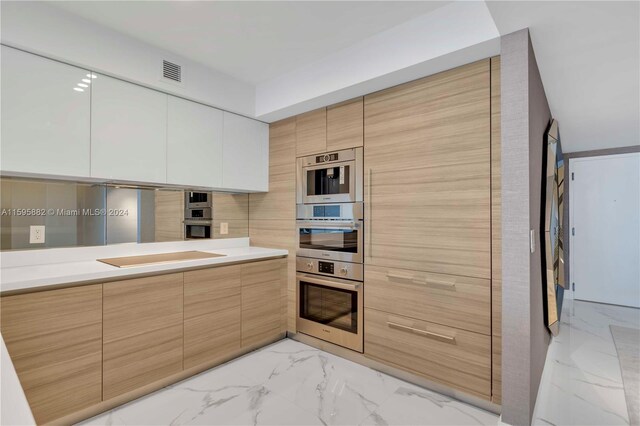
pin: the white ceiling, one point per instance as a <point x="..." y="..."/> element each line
<point x="253" y="41"/>
<point x="588" y="52"/>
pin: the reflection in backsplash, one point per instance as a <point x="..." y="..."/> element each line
<point x="81" y="214"/>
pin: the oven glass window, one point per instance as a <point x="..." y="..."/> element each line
<point x="342" y="240"/>
<point x="329" y="181"/>
<point x="330" y="306"/>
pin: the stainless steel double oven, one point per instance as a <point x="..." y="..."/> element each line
<point x="330" y="245"/>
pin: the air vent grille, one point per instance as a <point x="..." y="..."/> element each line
<point x="172" y="71"/>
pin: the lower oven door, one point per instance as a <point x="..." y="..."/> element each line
<point x="333" y="240"/>
<point x="330" y="309"/>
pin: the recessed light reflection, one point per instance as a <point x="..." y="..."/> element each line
<point x="92" y="76"/>
<point x="83" y="85"/>
<point x="77" y="89"/>
<point x="86" y="80"/>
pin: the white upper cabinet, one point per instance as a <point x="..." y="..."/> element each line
<point x="128" y="132"/>
<point x="194" y="144"/>
<point x="246" y="154"/>
<point x="45" y="116"/>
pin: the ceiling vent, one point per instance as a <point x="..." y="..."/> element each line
<point x="172" y="71"/>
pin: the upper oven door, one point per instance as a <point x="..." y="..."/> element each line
<point x="335" y="240"/>
<point x="198" y="199"/>
<point x="329" y="183"/>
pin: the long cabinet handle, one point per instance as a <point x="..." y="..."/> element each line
<point x="436" y="336"/>
<point x="369" y="223"/>
<point x="421" y="281"/>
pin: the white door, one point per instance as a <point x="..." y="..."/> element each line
<point x="45" y="115"/>
<point x="194" y="144"/>
<point x="128" y="131"/>
<point x="246" y="154"/>
<point x="605" y="222"/>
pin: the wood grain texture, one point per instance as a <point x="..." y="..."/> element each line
<point x="496" y="232"/>
<point x="311" y="132"/>
<point x="463" y="364"/>
<point x="272" y="215"/>
<point x="169" y="211"/>
<point x="152" y="259"/>
<point x="142" y="332"/>
<point x="212" y="314"/>
<point x="427" y="151"/>
<point x="54" y="339"/>
<point x="455" y="301"/>
<point x="345" y="125"/>
<point x="234" y="210"/>
<point x="262" y="297"/>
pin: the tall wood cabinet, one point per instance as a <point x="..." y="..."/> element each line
<point x="54" y="339"/>
<point x="428" y="174"/>
<point x="142" y="340"/>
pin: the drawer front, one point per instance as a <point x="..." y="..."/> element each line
<point x="457" y="358"/>
<point x="460" y="302"/>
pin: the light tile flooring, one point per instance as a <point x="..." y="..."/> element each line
<point x="582" y="383"/>
<point x="289" y="383"/>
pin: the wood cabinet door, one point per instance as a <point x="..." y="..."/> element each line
<point x="142" y="332"/>
<point x="345" y="125"/>
<point x="128" y="131"/>
<point x="311" y="132"/>
<point x="54" y="339"/>
<point x="45" y="115"/>
<point x="212" y="314"/>
<point x="263" y="286"/>
<point x="427" y="174"/>
<point x="194" y="143"/>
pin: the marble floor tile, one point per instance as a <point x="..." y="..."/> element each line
<point x="582" y="383"/>
<point x="289" y="383"/>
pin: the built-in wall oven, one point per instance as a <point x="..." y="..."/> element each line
<point x="334" y="177"/>
<point x="328" y="307"/>
<point x="330" y="231"/>
<point x="198" y="215"/>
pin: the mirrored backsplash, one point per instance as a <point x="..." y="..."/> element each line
<point x="83" y="214"/>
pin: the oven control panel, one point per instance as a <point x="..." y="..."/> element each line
<point x="346" y="270"/>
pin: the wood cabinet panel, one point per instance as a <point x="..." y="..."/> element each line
<point x="169" y="212"/>
<point x="54" y="339"/>
<point x="496" y="231"/>
<point x="142" y="332"/>
<point x="262" y="300"/>
<point x="345" y="125"/>
<point x="455" y="301"/>
<point x="457" y="358"/>
<point x="212" y="314"/>
<point x="311" y="132"/>
<point x="427" y="158"/>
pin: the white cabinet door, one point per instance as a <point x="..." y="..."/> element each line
<point x="128" y="132"/>
<point x="45" y="116"/>
<point x="194" y="144"/>
<point x="246" y="154"/>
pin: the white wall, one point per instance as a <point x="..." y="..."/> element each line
<point x="450" y="36"/>
<point x="36" y="27"/>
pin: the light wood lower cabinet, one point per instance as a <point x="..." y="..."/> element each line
<point x="143" y="332"/>
<point x="461" y="302"/>
<point x="54" y="339"/>
<point x="262" y="301"/>
<point x="458" y="358"/>
<point x="212" y="314"/>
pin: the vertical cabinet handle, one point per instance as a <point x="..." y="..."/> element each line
<point x="369" y="219"/>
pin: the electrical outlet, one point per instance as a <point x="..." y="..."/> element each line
<point x="36" y="234"/>
<point x="224" y="228"/>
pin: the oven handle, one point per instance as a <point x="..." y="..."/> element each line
<point x="328" y="283"/>
<point x="349" y="226"/>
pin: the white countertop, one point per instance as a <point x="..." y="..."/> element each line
<point x="31" y="269"/>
